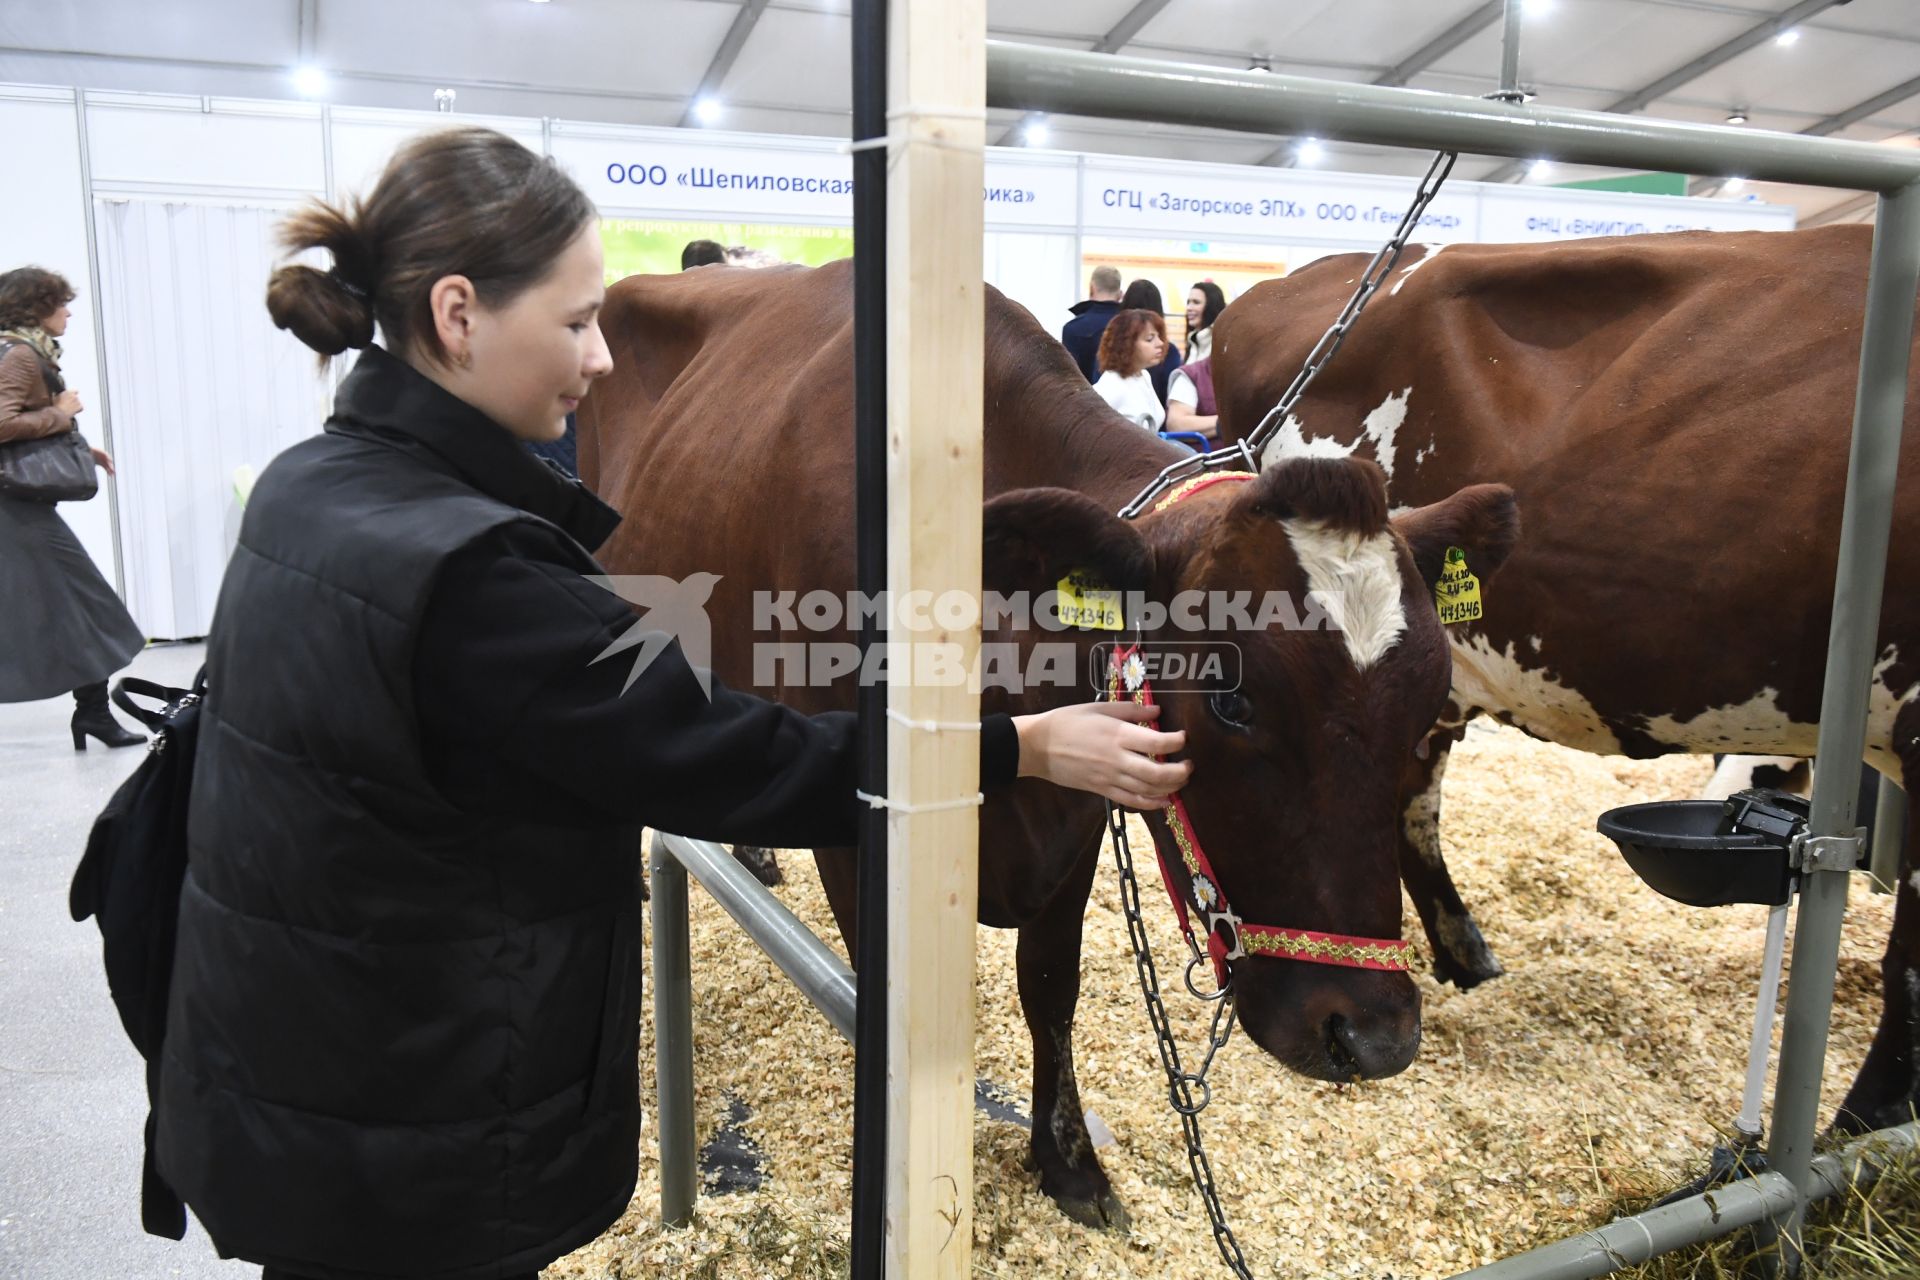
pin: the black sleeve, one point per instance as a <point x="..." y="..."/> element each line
<point x="518" y="720"/>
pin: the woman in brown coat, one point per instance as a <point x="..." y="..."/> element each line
<point x="63" y="630"/>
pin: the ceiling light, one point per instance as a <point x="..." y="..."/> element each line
<point x="1309" y="151"/>
<point x="1536" y="8"/>
<point x="1540" y="168"/>
<point x="1787" y="38"/>
<point x="309" y="82"/>
<point x="1261" y="62"/>
<point x="1734" y="184"/>
<point x="539" y="1"/>
<point x="705" y="110"/>
<point x="1036" y="133"/>
<point x="443" y="99"/>
<point x="1737" y="116"/>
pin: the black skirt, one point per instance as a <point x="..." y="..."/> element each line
<point x="61" y="625"/>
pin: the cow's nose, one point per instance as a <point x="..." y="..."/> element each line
<point x="1368" y="1054"/>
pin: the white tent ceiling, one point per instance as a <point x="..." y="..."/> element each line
<point x="781" y="66"/>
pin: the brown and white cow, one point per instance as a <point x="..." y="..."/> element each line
<point x="725" y="435"/>
<point x="1672" y="413"/>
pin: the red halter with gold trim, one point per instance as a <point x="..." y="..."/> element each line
<point x="1228" y="936"/>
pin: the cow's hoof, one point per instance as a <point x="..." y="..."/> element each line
<point x="765" y="867"/>
<point x="1461" y="956"/>
<point x="1103" y="1214"/>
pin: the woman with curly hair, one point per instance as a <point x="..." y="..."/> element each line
<point x="1133" y="344"/>
<point x="64" y="630"/>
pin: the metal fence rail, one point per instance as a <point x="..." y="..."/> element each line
<point x="1069" y="82"/>
<point x="820" y="975"/>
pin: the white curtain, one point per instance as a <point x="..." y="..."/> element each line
<point x="201" y="384"/>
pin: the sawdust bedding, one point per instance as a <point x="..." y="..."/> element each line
<point x="1605" y="1063"/>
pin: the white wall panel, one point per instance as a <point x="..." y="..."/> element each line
<point x="1040" y="272"/>
<point x="44" y="224"/>
<point x="202" y="382"/>
<point x="363" y="141"/>
<point x="167" y="146"/>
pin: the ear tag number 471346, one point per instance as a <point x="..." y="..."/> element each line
<point x="1456" y="596"/>
<point x="1087" y="603"/>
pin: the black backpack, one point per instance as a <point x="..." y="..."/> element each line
<point x="129" y="882"/>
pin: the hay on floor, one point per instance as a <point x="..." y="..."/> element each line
<point x="1612" y="1053"/>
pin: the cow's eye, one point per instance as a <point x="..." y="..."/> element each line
<point x="1231" y="706"/>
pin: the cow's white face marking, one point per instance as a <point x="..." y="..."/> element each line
<point x="1433" y="251"/>
<point x="1357" y="578"/>
<point x="1421" y="819"/>
<point x="1531" y="699"/>
<point x="1379" y="428"/>
<point x="1533" y="642"/>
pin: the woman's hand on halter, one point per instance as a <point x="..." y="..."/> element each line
<point x="1105" y="748"/>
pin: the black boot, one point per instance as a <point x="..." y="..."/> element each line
<point x="92" y="719"/>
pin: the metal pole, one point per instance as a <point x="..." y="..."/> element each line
<point x="870" y="49"/>
<point x="672" y="1035"/>
<point x="1510" y="55"/>
<point x="1852" y="641"/>
<point x="1629" y="1241"/>
<point x="1070" y="82"/>
<point x="97" y="306"/>
<point x="822" y="977"/>
<point x="1889" y="826"/>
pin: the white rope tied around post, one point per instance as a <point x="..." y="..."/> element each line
<point x="912" y="112"/>
<point x="928" y="726"/>
<point x="973" y="801"/>
<point x="934" y="726"/>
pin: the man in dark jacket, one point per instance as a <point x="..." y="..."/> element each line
<point x="1082" y="333"/>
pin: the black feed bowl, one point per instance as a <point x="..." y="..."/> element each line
<point x="1690" y="851"/>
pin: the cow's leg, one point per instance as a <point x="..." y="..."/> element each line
<point x="1048" y="957"/>
<point x="762" y="862"/>
<point x="840" y="878"/>
<point x="1460" y="954"/>
<point x="1887" y="1090"/>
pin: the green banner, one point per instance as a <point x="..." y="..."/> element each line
<point x="1645" y="184"/>
<point x="643" y="247"/>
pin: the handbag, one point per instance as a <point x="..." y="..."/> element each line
<point x="129" y="882"/>
<point x="53" y="468"/>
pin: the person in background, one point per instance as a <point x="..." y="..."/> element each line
<point x="702" y="253"/>
<point x="403" y="1024"/>
<point x="1205" y="302"/>
<point x="1082" y="334"/>
<point x="63" y="630"/>
<point x="1190" y="402"/>
<point x="1133" y="343"/>
<point x="1144" y="295"/>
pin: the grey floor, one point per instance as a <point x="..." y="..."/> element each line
<point x="72" y="1093"/>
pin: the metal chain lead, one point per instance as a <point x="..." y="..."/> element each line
<point x="1188" y="1091"/>
<point x="1181" y="1084"/>
<point x="1247" y="451"/>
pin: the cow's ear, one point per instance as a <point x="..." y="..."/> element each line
<point x="1482" y="520"/>
<point x="1035" y="537"/>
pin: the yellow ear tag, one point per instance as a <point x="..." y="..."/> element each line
<point x="1457" y="595"/>
<point x="1085" y="603"/>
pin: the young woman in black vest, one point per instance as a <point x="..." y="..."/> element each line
<point x="404" y="1016"/>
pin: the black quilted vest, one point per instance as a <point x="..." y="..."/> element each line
<point x="401" y="1038"/>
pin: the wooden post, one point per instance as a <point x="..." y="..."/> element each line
<point x="936" y="309"/>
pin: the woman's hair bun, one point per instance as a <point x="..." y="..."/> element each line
<point x="320" y="308"/>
